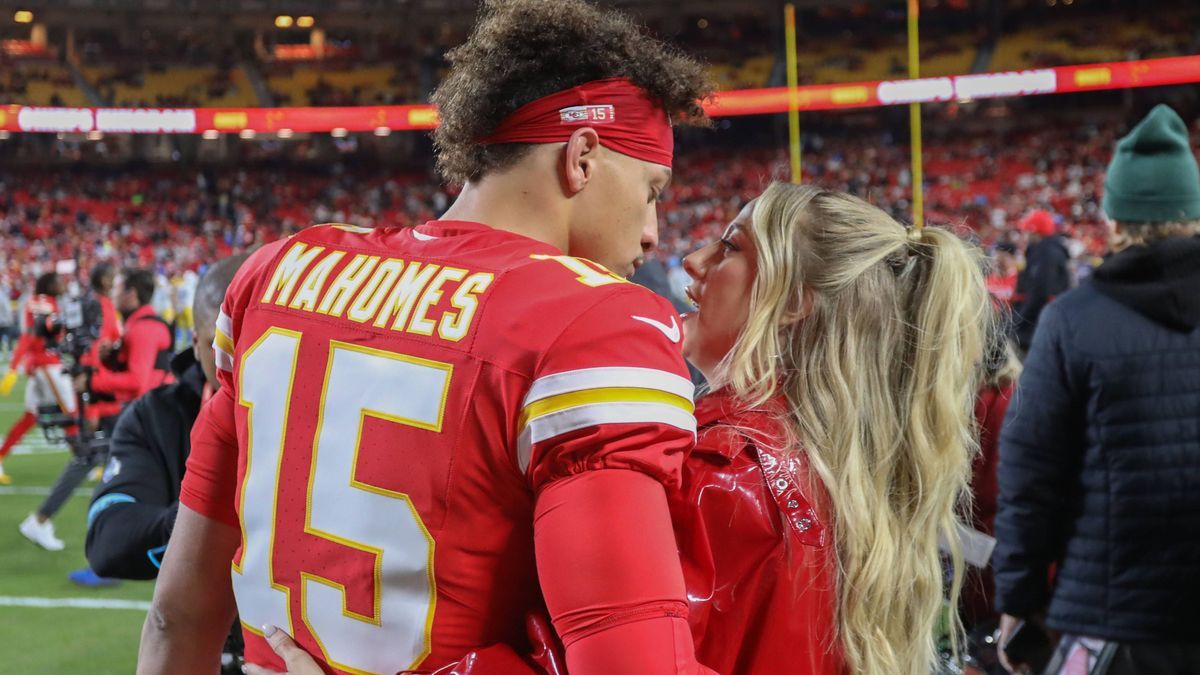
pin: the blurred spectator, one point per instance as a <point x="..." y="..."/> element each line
<point x="1000" y="378"/>
<point x="46" y="388"/>
<point x="142" y="360"/>
<point x="98" y="301"/>
<point x="8" y="318"/>
<point x="1100" y="451"/>
<point x="1002" y="282"/>
<point x="1047" y="273"/>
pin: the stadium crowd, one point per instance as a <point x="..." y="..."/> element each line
<point x="175" y="220"/>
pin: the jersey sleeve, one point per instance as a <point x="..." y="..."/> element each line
<point x="210" y="482"/>
<point x="610" y="392"/>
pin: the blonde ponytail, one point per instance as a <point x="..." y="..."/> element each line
<point x="880" y="374"/>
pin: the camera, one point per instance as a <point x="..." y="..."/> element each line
<point x="70" y="332"/>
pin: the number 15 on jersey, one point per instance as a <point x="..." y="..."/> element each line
<point x="383" y="629"/>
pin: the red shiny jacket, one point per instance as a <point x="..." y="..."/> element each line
<point x="758" y="558"/>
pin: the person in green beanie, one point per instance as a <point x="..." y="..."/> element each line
<point x="1100" y="450"/>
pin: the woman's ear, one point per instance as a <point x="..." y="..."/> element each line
<point x="799" y="308"/>
<point x="579" y="159"/>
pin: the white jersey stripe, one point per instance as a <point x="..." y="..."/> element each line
<point x="548" y="426"/>
<point x="596" y="378"/>
<point x="224" y="323"/>
<point x="224" y="361"/>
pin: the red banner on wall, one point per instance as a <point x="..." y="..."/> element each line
<point x="1092" y="77"/>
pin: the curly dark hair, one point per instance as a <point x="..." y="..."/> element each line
<point x="522" y="50"/>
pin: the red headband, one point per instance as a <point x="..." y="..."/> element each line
<point x="623" y="115"/>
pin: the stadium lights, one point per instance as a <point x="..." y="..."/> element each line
<point x="283" y="21"/>
<point x="382" y="131"/>
<point x="210" y="134"/>
<point x="23" y="16"/>
<point x="702" y="24"/>
<point x="305" y="22"/>
<point x="4" y="135"/>
<point x="284" y="133"/>
<point x="246" y="134"/>
<point x="95" y="135"/>
<point x="339" y="132"/>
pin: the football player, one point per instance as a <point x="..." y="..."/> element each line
<point x="47" y="387"/>
<point x="417" y="426"/>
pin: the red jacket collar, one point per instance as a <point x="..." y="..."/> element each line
<point x="722" y="405"/>
<point x="726" y="424"/>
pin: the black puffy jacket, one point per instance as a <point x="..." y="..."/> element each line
<point x="1100" y="456"/>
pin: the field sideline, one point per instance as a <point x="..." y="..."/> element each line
<point x="51" y="626"/>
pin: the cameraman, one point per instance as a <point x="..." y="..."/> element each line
<point x="133" y="509"/>
<point x="142" y="360"/>
<point x="47" y="386"/>
<point x="100" y="315"/>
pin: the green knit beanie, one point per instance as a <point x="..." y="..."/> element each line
<point x="1153" y="177"/>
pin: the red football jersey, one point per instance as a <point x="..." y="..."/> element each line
<point x="392" y="402"/>
<point x="31" y="352"/>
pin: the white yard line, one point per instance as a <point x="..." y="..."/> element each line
<point x="41" y="449"/>
<point x="39" y="491"/>
<point x="74" y="603"/>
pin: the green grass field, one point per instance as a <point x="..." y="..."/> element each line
<point x="56" y="640"/>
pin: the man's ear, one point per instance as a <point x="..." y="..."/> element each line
<point x="799" y="308"/>
<point x="579" y="159"/>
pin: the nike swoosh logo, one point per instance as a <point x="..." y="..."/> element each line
<point x="672" y="331"/>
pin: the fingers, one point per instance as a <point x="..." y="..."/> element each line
<point x="251" y="669"/>
<point x="297" y="660"/>
<point x="281" y="642"/>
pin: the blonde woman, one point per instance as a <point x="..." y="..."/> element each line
<point x="843" y="351"/>
<point x="835" y="448"/>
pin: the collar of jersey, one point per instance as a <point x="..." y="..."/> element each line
<point x="449" y="228"/>
<point x="452" y="228"/>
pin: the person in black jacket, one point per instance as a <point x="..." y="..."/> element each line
<point x="1100" y="450"/>
<point x="1047" y="273"/>
<point x="133" y="508"/>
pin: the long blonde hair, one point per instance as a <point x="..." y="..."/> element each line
<point x="880" y="376"/>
